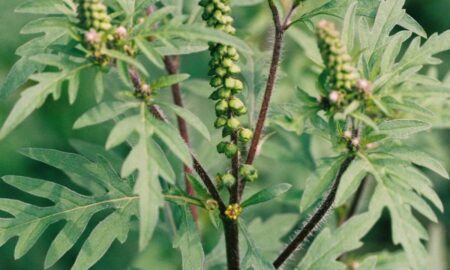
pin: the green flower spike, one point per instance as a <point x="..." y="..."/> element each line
<point x="342" y="75"/>
<point x="94" y="19"/>
<point x="223" y="70"/>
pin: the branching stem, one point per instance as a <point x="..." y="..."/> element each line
<point x="315" y="219"/>
<point x="280" y="29"/>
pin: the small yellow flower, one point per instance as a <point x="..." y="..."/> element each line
<point x="233" y="211"/>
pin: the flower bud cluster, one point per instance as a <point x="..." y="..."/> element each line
<point x="94" y="19"/>
<point x="248" y="173"/>
<point x="93" y="15"/>
<point x="342" y="75"/>
<point x="343" y="80"/>
<point x="223" y="70"/>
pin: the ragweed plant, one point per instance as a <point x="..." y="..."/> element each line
<point x="361" y="96"/>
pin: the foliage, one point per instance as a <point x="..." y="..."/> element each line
<point x="366" y="93"/>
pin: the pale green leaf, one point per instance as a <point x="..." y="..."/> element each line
<point x="266" y="194"/>
<point x="189" y="117"/>
<point x="319" y="181"/>
<point x="103" y="112"/>
<point x="328" y="246"/>
<point x="189" y="243"/>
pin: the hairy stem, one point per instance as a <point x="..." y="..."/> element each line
<point x="276" y="55"/>
<point x="315" y="219"/>
<point x="231" y="231"/>
<point x="280" y="29"/>
<point x="158" y="113"/>
<point x="172" y="64"/>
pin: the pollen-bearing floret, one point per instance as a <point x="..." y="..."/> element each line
<point x="233" y="211"/>
<point x="223" y="71"/>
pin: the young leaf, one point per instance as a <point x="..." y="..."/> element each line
<point x="166" y="81"/>
<point x="200" y="32"/>
<point x="189" y="117"/>
<point x="103" y="112"/>
<point x="266" y="194"/>
<point x="30" y="221"/>
<point x="33" y="97"/>
<point x="422" y="159"/>
<point x="328" y="246"/>
<point x="402" y="128"/>
<point x="253" y="258"/>
<point x="172" y="139"/>
<point x="318" y="182"/>
<point x="188" y="241"/>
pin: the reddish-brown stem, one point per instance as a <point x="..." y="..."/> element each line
<point x="280" y="29"/>
<point x="312" y="223"/>
<point x="172" y="64"/>
<point x="276" y="54"/>
<point x="158" y="113"/>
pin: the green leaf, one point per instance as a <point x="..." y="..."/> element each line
<point x="151" y="53"/>
<point x="30" y="221"/>
<point x="17" y="76"/>
<point x="266" y="194"/>
<point x="169" y="80"/>
<point x="44" y="7"/>
<point x="349" y="29"/>
<point x="170" y="136"/>
<point x="181" y="47"/>
<point x="200" y="32"/>
<point x="280" y="225"/>
<point x="369" y="263"/>
<point x="402" y="128"/>
<point x="245" y="3"/>
<point x="200" y="190"/>
<point x="319" y="181"/>
<point x="188" y="241"/>
<point x="33" y="97"/>
<point x="189" y="117"/>
<point x="328" y="246"/>
<point x="122" y="130"/>
<point x="406" y="230"/>
<point x="253" y="258"/>
<point x="127" y="59"/>
<point x="147" y="185"/>
<point x="103" y="112"/>
<point x="99" y="85"/>
<point x="422" y="159"/>
<point x="350" y="181"/>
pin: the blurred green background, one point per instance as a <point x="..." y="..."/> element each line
<point x="50" y="127"/>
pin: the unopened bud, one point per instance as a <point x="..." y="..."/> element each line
<point x="231" y="150"/>
<point x="211" y="204"/>
<point x="245" y="135"/>
<point x="228" y="179"/>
